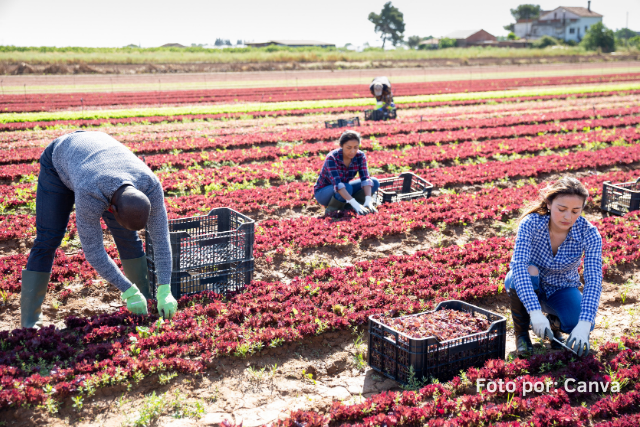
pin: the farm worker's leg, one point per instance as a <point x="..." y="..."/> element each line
<point x="348" y="188"/>
<point x="521" y="319"/>
<point x="54" y="202"/>
<point x="132" y="256"/>
<point x="324" y="195"/>
<point x="565" y="304"/>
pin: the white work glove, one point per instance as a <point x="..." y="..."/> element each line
<point x="360" y="210"/>
<point x="368" y="203"/>
<point x="539" y="323"/>
<point x="579" y="338"/>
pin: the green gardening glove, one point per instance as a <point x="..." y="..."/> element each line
<point x="136" y="302"/>
<point x="167" y="304"/>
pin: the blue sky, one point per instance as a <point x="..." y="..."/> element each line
<point x="153" y="23"/>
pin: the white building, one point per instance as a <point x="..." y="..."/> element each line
<point x="565" y="23"/>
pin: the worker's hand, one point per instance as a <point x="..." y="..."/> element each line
<point x="136" y="302"/>
<point x="539" y="323"/>
<point x="578" y="341"/>
<point x="368" y="203"/>
<point x="167" y="304"/>
<point x="360" y="210"/>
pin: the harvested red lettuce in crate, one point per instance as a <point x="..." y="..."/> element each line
<point x="443" y="324"/>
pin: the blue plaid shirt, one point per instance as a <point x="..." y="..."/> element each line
<point x="533" y="246"/>
<point x="335" y="172"/>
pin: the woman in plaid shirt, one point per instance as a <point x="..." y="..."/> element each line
<point x="335" y="186"/>
<point x="552" y="238"/>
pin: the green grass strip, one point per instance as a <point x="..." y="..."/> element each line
<point x="300" y="105"/>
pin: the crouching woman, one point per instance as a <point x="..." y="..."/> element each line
<point x="552" y="238"/>
<point x="335" y="186"/>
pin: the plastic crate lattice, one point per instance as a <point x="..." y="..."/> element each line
<point x="213" y="252"/>
<point x="622" y="198"/>
<point x="406" y="186"/>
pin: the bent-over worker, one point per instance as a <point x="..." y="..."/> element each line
<point x="380" y="88"/>
<point x="336" y="187"/>
<point x="104" y="179"/>
<point x="551" y="240"/>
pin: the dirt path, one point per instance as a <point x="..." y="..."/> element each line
<point x="34" y="83"/>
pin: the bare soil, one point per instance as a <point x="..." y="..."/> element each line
<point x="90" y="73"/>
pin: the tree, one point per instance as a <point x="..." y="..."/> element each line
<point x="599" y="37"/>
<point x="625" y="33"/>
<point x="512" y="36"/>
<point x="545" y="41"/>
<point x="524" y="11"/>
<point x="414" y="41"/>
<point x="446" y="42"/>
<point x="389" y="23"/>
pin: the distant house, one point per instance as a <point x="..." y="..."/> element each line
<point x="565" y="23"/>
<point x="172" y="45"/>
<point x="291" y="43"/>
<point x="429" y="44"/>
<point x="471" y="37"/>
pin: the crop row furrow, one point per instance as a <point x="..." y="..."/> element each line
<point x="157" y="119"/>
<point x="464" y="130"/>
<point x="52" y="102"/>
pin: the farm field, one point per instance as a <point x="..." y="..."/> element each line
<point x="292" y="349"/>
<point x="93" y="83"/>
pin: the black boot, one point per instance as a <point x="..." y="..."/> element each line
<point x="521" y="322"/>
<point x="554" y="321"/>
<point x="334" y="205"/>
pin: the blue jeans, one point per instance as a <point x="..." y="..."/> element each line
<point x="324" y="195"/>
<point x="54" y="203"/>
<point x="563" y="303"/>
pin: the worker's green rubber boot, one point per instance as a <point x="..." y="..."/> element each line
<point x="137" y="272"/>
<point x="334" y="205"/>
<point x="34" y="289"/>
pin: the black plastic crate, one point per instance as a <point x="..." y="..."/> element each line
<point x="406" y="186"/>
<point x="620" y="198"/>
<point x="341" y="123"/>
<point x="212" y="252"/>
<point x="392" y="353"/>
<point x="384" y="114"/>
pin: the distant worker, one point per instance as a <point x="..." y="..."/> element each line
<point x="381" y="88"/>
<point x="335" y="186"/>
<point x="104" y="179"/>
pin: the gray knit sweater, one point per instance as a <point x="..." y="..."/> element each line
<point x="94" y="166"/>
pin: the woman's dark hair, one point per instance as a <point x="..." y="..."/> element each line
<point x="566" y="186"/>
<point x="349" y="135"/>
